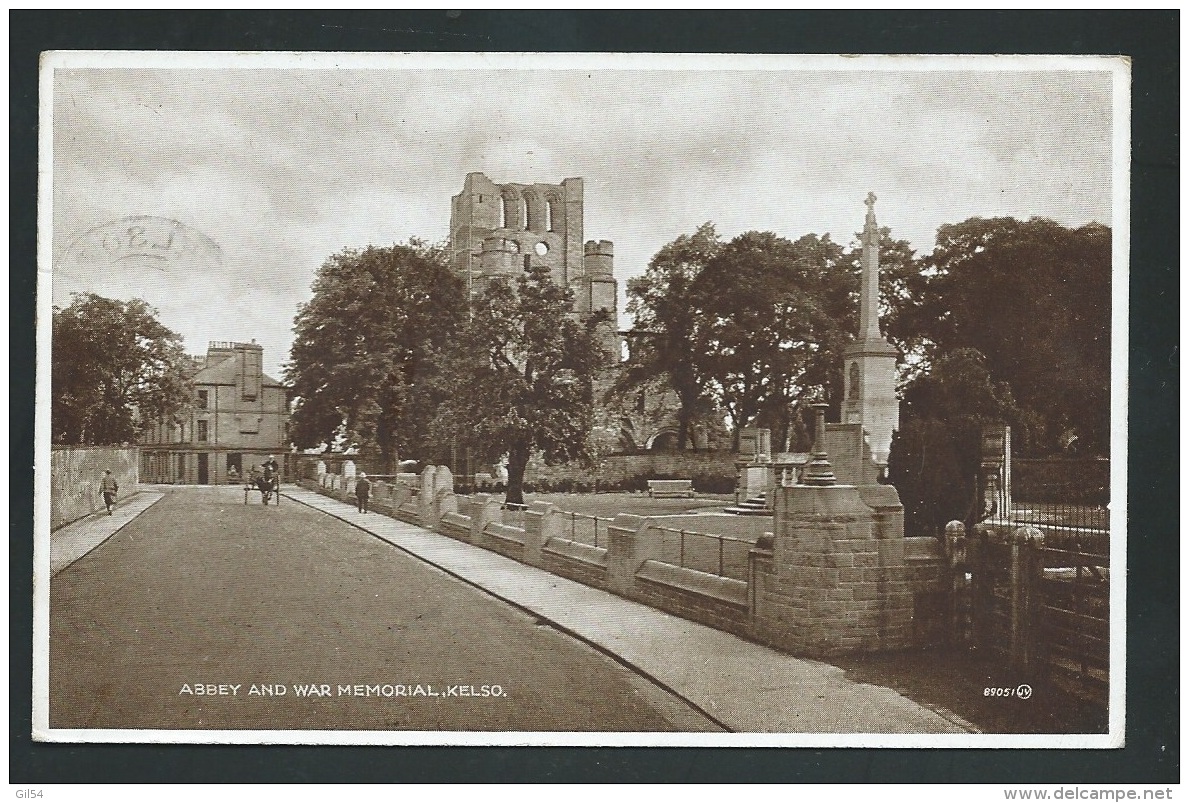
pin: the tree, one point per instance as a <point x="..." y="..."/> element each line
<point x="1034" y="298"/>
<point x="114" y="369"/>
<point x="935" y="455"/>
<point x="361" y="358"/>
<point x="754" y="327"/>
<point x="519" y="377"/>
<point x="773" y="317"/>
<point x="663" y="343"/>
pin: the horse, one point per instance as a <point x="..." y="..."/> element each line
<point x="267" y="486"/>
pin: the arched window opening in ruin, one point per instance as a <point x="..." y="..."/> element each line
<point x="536" y="211"/>
<point x="511" y="211"/>
<point x="550" y="215"/>
<point x="665" y="441"/>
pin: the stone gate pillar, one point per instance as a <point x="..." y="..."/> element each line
<point x="442" y="500"/>
<point x="425" y="496"/>
<point x="837" y="580"/>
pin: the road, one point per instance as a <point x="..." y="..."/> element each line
<point x="202" y="593"/>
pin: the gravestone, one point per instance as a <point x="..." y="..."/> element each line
<point x="755" y="444"/>
<point x="753" y="463"/>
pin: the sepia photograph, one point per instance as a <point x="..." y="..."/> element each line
<point x="582" y="399"/>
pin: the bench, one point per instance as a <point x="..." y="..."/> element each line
<point x="658" y="488"/>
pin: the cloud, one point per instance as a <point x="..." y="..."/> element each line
<point x="283" y="168"/>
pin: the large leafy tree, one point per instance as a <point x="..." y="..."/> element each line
<point x="1034" y="298"/>
<point x="662" y="303"/>
<point x="361" y="358"/>
<point x="114" y="368"/>
<point x="935" y="454"/>
<point x="754" y="327"/>
<point x="773" y="318"/>
<point x="519" y="377"/>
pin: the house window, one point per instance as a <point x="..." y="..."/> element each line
<point x="202" y="399"/>
<point x="201" y="431"/>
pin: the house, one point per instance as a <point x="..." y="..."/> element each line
<point x="238" y="416"/>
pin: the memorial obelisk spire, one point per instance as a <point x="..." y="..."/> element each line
<point x="869" y="292"/>
<point x="869" y="372"/>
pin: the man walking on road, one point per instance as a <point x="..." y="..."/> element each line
<point x="363" y="489"/>
<point x="110" y="488"/>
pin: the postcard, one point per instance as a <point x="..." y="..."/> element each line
<point x="582" y="399"/>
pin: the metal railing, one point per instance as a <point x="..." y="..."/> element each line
<point x="1060" y="516"/>
<point x="694" y="551"/>
<point x="584" y="528"/>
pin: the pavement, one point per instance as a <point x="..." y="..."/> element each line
<point x="742" y="686"/>
<point x="71" y="542"/>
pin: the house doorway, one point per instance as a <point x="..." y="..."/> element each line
<point x="235" y="467"/>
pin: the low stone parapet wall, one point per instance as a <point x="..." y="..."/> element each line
<point x="456" y="525"/>
<point x="836" y="575"/>
<point x="719" y="602"/>
<point x="576" y="550"/>
<point x="575" y="561"/>
<point x="507" y="541"/>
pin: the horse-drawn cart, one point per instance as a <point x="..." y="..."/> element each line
<point x="269" y="488"/>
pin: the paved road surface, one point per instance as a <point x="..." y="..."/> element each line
<point x="201" y="590"/>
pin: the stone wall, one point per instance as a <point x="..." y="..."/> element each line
<point x="839" y="577"/>
<point x="75" y="474"/>
<point x="836" y="575"/>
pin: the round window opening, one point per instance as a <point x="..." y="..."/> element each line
<point x="541" y="248"/>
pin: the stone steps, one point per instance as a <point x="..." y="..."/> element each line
<point x="755" y="506"/>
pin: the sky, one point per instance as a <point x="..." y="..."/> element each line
<point x="215" y="188"/>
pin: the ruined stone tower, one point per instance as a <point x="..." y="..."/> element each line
<point x="503" y="229"/>
<point x="869" y="374"/>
